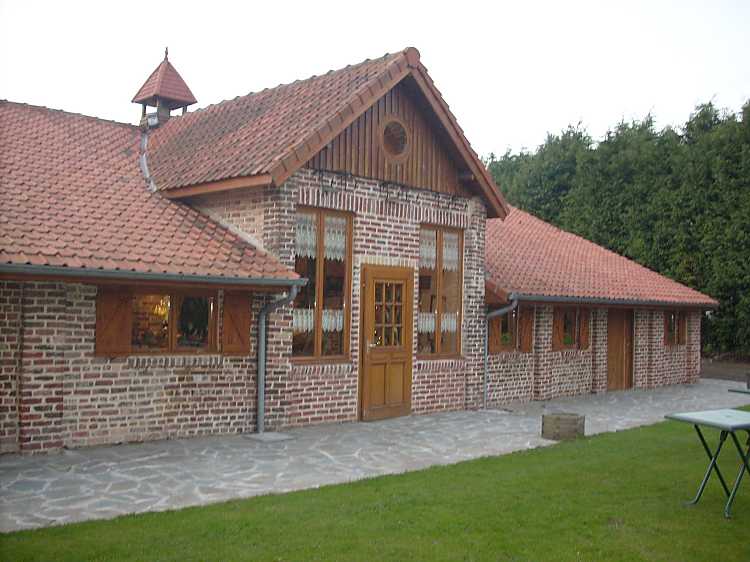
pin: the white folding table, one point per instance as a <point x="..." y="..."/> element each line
<point x="729" y="423"/>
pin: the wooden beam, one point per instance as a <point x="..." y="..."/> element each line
<point x="260" y="180"/>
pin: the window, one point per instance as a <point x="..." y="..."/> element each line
<point x="675" y="328"/>
<point x="173" y="322"/>
<point x="503" y="331"/>
<point x="570" y="328"/>
<point x="440" y="279"/>
<point x="394" y="139"/>
<point x="512" y="331"/>
<point x="132" y="320"/>
<point x="322" y="255"/>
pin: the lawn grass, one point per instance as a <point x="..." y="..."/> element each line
<point x="615" y="496"/>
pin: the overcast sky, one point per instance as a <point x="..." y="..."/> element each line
<point x="511" y="71"/>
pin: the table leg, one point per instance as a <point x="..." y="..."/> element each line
<point x="712" y="466"/>
<point x="744" y="466"/>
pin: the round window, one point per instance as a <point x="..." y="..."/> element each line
<point x="395" y="139"/>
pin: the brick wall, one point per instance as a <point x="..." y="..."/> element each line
<point x="71" y="398"/>
<point x="546" y="374"/>
<point x="386" y="225"/>
<point x="657" y="364"/>
<point x="10" y="355"/>
<point x="558" y="373"/>
<point x="511" y="378"/>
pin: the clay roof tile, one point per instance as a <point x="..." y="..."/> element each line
<point x="526" y="255"/>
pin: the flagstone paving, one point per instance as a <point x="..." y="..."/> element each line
<point x="104" y="482"/>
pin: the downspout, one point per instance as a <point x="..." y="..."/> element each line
<point x="267" y="308"/>
<point x="19" y="364"/>
<point x="490" y="315"/>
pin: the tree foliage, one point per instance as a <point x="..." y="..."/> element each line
<point x="676" y="201"/>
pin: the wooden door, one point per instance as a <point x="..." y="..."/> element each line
<point x="619" y="349"/>
<point x="385" y="380"/>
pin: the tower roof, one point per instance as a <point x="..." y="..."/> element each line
<point x="166" y="84"/>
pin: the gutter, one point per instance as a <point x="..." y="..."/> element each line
<point x="603" y="301"/>
<point x="490" y="315"/>
<point x="267" y="308"/>
<point x="126" y="275"/>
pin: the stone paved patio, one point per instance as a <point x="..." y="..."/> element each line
<point x="105" y="482"/>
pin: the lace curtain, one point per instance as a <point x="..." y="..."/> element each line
<point x="303" y="320"/>
<point x="306" y="236"/>
<point x="335" y="238"/>
<point x="449" y="322"/>
<point x="427" y="249"/>
<point x="450" y="251"/>
<point x="426" y="323"/>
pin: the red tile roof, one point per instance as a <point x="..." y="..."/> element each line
<point x="72" y="195"/>
<point x="165" y="82"/>
<point x="247" y="135"/>
<point x="275" y="131"/>
<point x="528" y="256"/>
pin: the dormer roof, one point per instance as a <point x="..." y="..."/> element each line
<point x="165" y="84"/>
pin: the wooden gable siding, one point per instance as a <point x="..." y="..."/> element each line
<point x="357" y="150"/>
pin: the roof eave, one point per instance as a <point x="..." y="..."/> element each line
<point x="35" y="272"/>
<point x="256" y="181"/>
<point x="645" y="303"/>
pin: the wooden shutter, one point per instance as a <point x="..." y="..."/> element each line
<point x="584" y="315"/>
<point x="667" y="316"/>
<point x="493" y="335"/>
<point x="682" y="328"/>
<point x="114" y="321"/>
<point x="557" y="328"/>
<point x="526" y="329"/>
<point x="235" y="333"/>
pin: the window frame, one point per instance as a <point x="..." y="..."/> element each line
<point x="558" y="312"/>
<point x="173" y="348"/>
<point x="105" y="294"/>
<point x="317" y="356"/>
<point x="513" y="345"/>
<point x="439" y="230"/>
<point x="387" y="154"/>
<point x="680" y="328"/>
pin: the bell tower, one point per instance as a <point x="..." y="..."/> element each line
<point x="165" y="90"/>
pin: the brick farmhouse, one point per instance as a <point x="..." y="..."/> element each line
<point x="329" y="250"/>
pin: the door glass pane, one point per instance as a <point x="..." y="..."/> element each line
<point x="388" y="313"/>
<point x="427" y="291"/>
<point x="451" y="293"/>
<point x="378" y="339"/>
<point x="194" y="316"/>
<point x="303" y="313"/>
<point x="335" y="266"/>
<point x="151" y="322"/>
<point x="379" y="336"/>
